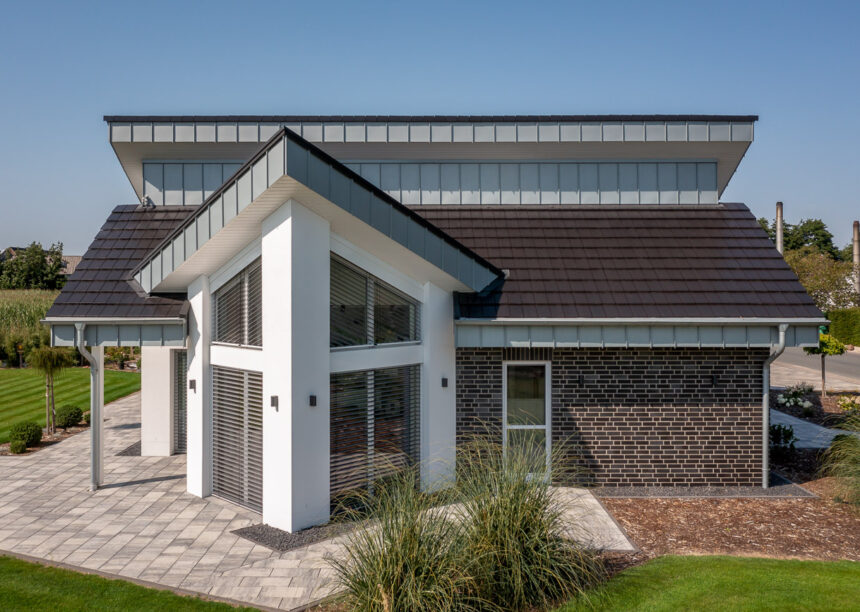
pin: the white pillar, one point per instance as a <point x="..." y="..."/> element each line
<point x="295" y="367"/>
<point x="156" y="402"/>
<point x="198" y="403"/>
<point x="438" y="403"/>
<point x="97" y="425"/>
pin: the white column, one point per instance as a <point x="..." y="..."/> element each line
<point x="438" y="403"/>
<point x="156" y="402"/>
<point x="97" y="424"/>
<point x="295" y="367"/>
<point x="199" y="407"/>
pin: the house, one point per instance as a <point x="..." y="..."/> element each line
<point x="321" y="300"/>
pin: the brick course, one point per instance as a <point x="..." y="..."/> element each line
<point x="639" y="416"/>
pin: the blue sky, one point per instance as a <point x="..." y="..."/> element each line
<point x="65" y="65"/>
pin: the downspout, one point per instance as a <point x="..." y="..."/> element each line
<point x="95" y="412"/>
<point x="765" y="406"/>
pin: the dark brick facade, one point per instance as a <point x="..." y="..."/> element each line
<point x="637" y="416"/>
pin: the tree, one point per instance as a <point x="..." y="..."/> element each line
<point x="808" y="233"/>
<point x="34" y="268"/>
<point x="826" y="280"/>
<point x="50" y="361"/>
<point x="827" y="345"/>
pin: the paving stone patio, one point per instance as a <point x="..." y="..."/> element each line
<point x="143" y="525"/>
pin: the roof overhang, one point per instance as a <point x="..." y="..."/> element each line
<point x="635" y="333"/>
<point x="119" y="332"/>
<point x="286" y="168"/>
<point x="721" y="138"/>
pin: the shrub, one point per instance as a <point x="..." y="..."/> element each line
<point x="409" y="558"/>
<point x="845" y="325"/>
<point x="68" y="416"/>
<point x="29" y="432"/>
<point x="17" y="447"/>
<point x="795" y="395"/>
<point x="516" y="533"/>
<point x="87" y="417"/>
<point x="850" y="404"/>
<point x="782" y="441"/>
<point x="842" y="461"/>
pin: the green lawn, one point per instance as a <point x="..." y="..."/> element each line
<point x="729" y="583"/>
<point x="22" y="393"/>
<point x="28" y="586"/>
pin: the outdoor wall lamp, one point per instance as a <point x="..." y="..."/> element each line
<point x="192" y="384"/>
<point x="312" y="400"/>
<point x="274" y="402"/>
<point x="444" y="382"/>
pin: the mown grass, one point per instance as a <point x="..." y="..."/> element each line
<point x="28" y="586"/>
<point x="728" y="583"/>
<point x="22" y="393"/>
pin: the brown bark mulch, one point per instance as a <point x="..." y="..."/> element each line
<point x="47" y="440"/>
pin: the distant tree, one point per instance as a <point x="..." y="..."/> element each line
<point x="34" y="268"/>
<point x="50" y="361"/>
<point x="826" y="280"/>
<point x="808" y="233"/>
<point x="827" y="345"/>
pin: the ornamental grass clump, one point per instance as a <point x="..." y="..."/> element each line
<point x="515" y="529"/>
<point x="842" y="461"/>
<point x="407" y="553"/>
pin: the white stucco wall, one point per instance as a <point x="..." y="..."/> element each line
<point x="199" y="462"/>
<point x="295" y="366"/>
<point x="156" y="402"/>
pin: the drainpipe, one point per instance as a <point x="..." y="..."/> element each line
<point x="779" y="227"/>
<point x="857" y="258"/>
<point x="96" y="419"/>
<point x="765" y="406"/>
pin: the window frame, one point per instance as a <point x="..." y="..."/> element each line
<point x="547" y="426"/>
<point x="371" y="283"/>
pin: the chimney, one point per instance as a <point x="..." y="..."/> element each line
<point x="779" y="225"/>
<point x="857" y="257"/>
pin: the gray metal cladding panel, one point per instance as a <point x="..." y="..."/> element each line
<point x="237" y="436"/>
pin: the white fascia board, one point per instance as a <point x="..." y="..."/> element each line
<point x="376" y="357"/>
<point x="114" y="320"/>
<point x="646" y="321"/>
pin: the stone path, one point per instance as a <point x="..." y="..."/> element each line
<point x="809" y="435"/>
<point x="143" y="525"/>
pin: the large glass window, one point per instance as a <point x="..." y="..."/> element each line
<point x="526" y="411"/>
<point x="366" y="311"/>
<point x="237" y="308"/>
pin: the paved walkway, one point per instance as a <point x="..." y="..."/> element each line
<point x="809" y="435"/>
<point x="143" y="525"/>
<point x="795" y="366"/>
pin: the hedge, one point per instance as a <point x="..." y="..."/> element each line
<point x="845" y="325"/>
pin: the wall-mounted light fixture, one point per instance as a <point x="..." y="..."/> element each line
<point x="312" y="400"/>
<point x="444" y="382"/>
<point x="274" y="402"/>
<point x="192" y="384"/>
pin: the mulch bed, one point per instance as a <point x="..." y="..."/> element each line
<point x="802" y="528"/>
<point x="47" y="440"/>
<point x="824" y="410"/>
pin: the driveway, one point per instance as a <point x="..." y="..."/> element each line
<point x="143" y="525"/>
<point x="795" y="366"/>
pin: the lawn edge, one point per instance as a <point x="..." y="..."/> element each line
<point x="144" y="583"/>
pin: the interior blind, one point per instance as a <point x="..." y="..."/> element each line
<point x="180" y="418"/>
<point x="366" y="311"/>
<point x="237" y="436"/>
<point x="237" y="308"/>
<point x="374" y="427"/>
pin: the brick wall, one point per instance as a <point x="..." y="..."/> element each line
<point x="636" y="416"/>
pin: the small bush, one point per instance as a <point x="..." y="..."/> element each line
<point x="29" y="432"/>
<point x="68" y="416"/>
<point x="87" y="417"/>
<point x="782" y="441"/>
<point x="807" y="412"/>
<point x="842" y="461"/>
<point x="795" y="395"/>
<point x="16" y="447"/>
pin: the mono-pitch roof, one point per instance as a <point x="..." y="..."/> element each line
<point x="624" y="262"/>
<point x="101" y="286"/>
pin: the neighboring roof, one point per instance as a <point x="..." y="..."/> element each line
<point x="430" y="118"/>
<point x="625" y="262"/>
<point x="70" y="263"/>
<point x="101" y="285"/>
<point x="290" y="158"/>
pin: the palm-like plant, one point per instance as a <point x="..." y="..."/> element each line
<point x="50" y="361"/>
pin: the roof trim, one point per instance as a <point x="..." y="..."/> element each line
<point x="426" y="118"/>
<point x="649" y="321"/>
<point x="281" y="139"/>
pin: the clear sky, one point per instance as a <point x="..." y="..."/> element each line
<point x="64" y="65"/>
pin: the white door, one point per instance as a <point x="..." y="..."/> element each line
<point x="526" y="410"/>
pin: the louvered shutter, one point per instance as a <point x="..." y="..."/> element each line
<point x="237" y="308"/>
<point x="237" y="436"/>
<point x="254" y="314"/>
<point x="180" y="412"/>
<point x="374" y="427"/>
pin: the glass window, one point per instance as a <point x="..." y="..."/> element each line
<point x="237" y="308"/>
<point x="365" y="311"/>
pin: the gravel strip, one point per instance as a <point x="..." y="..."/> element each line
<point x="283" y="541"/>
<point x="780" y="487"/>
